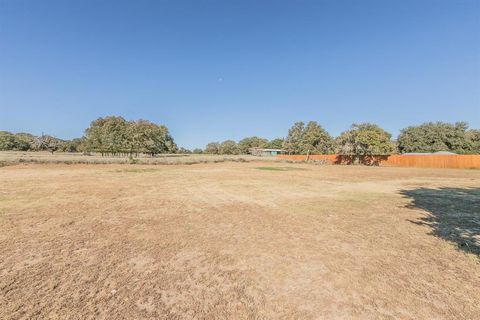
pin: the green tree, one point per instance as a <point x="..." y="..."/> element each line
<point x="212" y="148"/>
<point x="275" y="143"/>
<point x="25" y="141"/>
<point x="293" y="143"/>
<point x="107" y="135"/>
<point x="316" y="140"/>
<point x="197" y="151"/>
<point x="7" y="141"/>
<point x="146" y="137"/>
<point x="311" y="138"/>
<point x="228" y="147"/>
<point x="74" y="145"/>
<point x="251" y="142"/>
<point x="364" y="139"/>
<point x="114" y="135"/>
<point x="473" y="137"/>
<point x="435" y="136"/>
<point x="136" y="137"/>
<point x="94" y="137"/>
<point x="17" y="142"/>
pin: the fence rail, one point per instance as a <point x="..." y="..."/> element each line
<point x="417" y="161"/>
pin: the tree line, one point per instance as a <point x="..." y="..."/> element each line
<point x="109" y="136"/>
<point x="362" y="139"/>
<point x="114" y="135"/>
<point x="242" y="147"/>
<point x="28" y="142"/>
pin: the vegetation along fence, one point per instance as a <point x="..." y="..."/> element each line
<point x="418" y="161"/>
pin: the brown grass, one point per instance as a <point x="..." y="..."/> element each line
<point x="16" y="157"/>
<point x="229" y="241"/>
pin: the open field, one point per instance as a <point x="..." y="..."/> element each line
<point x="255" y="240"/>
<point x="15" y="157"/>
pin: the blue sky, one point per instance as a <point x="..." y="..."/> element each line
<point x="216" y="70"/>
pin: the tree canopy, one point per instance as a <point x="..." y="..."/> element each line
<point x="275" y="143"/>
<point x="436" y="136"/>
<point x="8" y="141"/>
<point x="251" y="142"/>
<point x="212" y="148"/>
<point x="116" y="135"/>
<point x="28" y="142"/>
<point x="473" y="136"/>
<point x="311" y="138"/>
<point x="364" y="139"/>
<point x="228" y="147"/>
<point x="243" y="146"/>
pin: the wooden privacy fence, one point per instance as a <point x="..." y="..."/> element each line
<point x="418" y="161"/>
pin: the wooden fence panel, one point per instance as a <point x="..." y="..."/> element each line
<point x="417" y="161"/>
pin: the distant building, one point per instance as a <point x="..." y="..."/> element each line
<point x="262" y="152"/>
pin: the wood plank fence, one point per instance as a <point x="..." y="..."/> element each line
<point x="417" y="161"/>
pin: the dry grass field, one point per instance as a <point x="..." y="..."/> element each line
<point x="16" y="157"/>
<point x="238" y="241"/>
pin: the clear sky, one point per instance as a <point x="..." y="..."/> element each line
<point x="216" y="70"/>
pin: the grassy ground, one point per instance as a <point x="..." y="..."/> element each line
<point x="277" y="168"/>
<point x="233" y="241"/>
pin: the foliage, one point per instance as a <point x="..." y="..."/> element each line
<point x="24" y="141"/>
<point x="251" y="142"/>
<point x="183" y="150"/>
<point x="149" y="138"/>
<point x="311" y="138"/>
<point x="473" y="137"/>
<point x="242" y="147"/>
<point x="46" y="142"/>
<point x="293" y="142"/>
<point x="228" y="147"/>
<point x="316" y="139"/>
<point x="438" y="136"/>
<point x="115" y="135"/>
<point x="275" y="144"/>
<point x="7" y="141"/>
<point x="364" y="139"/>
<point x="75" y="145"/>
<point x="28" y="142"/>
<point x="17" y="142"/>
<point x="212" y="148"/>
<point x="109" y="135"/>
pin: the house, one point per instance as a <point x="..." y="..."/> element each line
<point x="263" y="152"/>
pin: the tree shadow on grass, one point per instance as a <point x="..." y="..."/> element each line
<point x="454" y="214"/>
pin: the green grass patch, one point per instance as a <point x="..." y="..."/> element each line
<point x="281" y="168"/>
